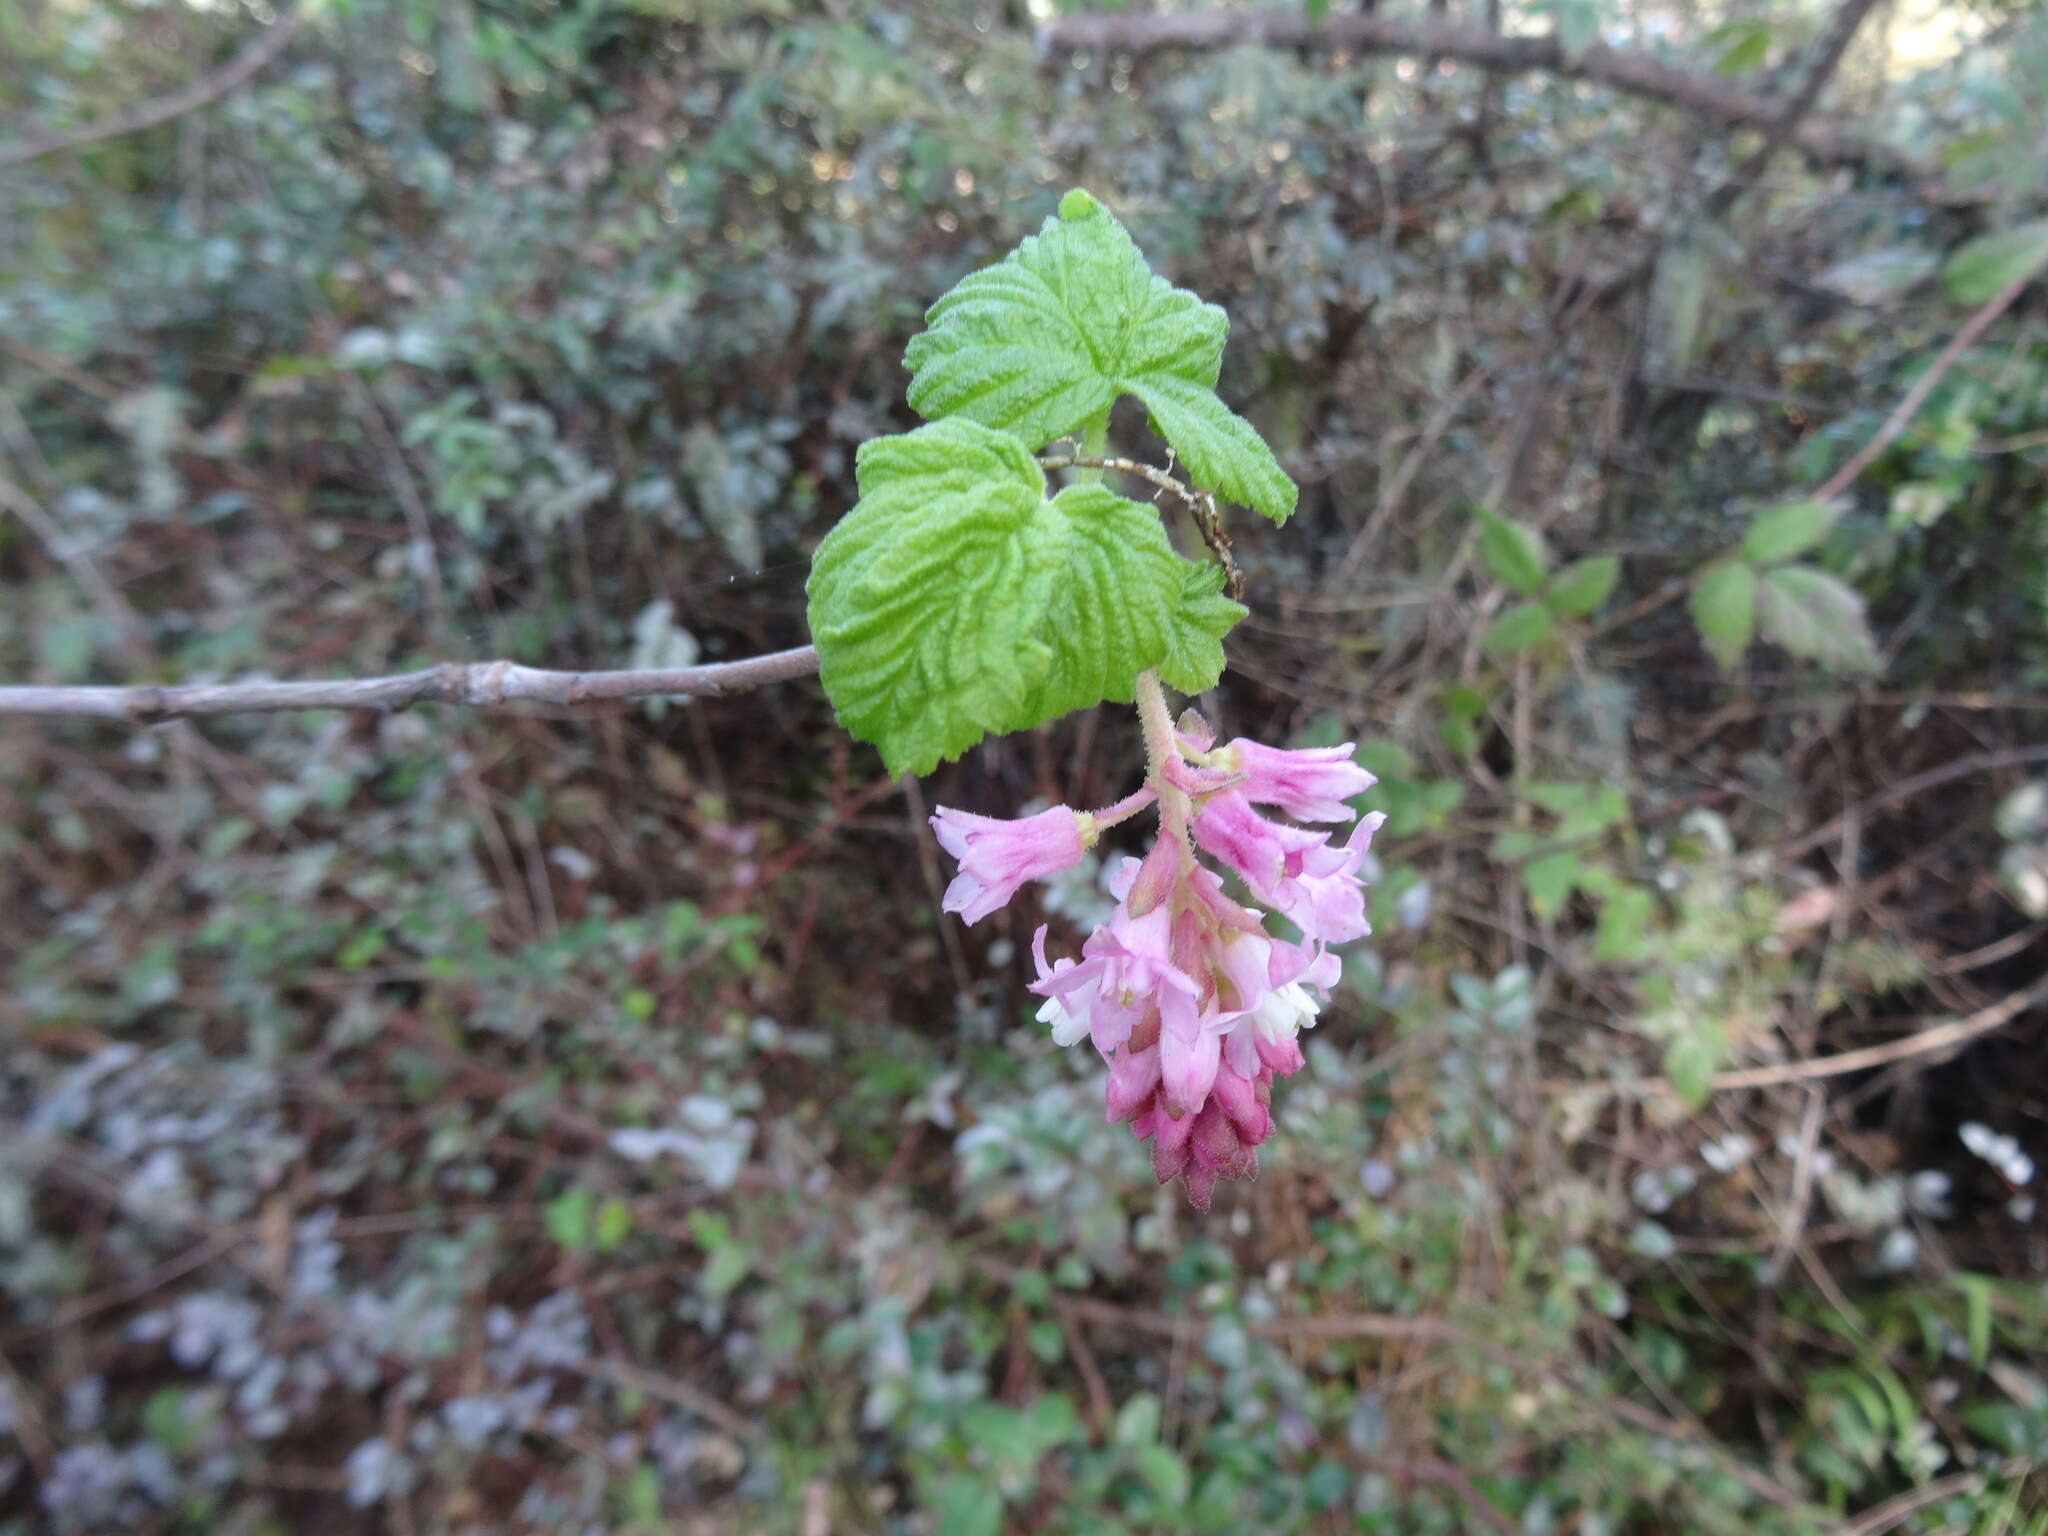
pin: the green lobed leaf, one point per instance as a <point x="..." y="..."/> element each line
<point x="954" y="601"/>
<point x="1724" y="609"/>
<point x="1222" y="451"/>
<point x="1124" y="594"/>
<point x="1514" y="554"/>
<point x="927" y="599"/>
<point x="1983" y="266"/>
<point x="1789" y="530"/>
<point x="1581" y="587"/>
<point x="1048" y="337"/>
<point x="1814" y="615"/>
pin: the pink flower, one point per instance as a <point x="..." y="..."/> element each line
<point x="1194" y="1007"/>
<point x="1315" y="886"/>
<point x="1265" y="852"/>
<point x="1325" y="898"/>
<point x="997" y="856"/>
<point x="1309" y="784"/>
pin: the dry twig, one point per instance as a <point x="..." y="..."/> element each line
<point x="1916" y="397"/>
<point x="476" y="684"/>
<point x="202" y="92"/>
<point x="1714" y="100"/>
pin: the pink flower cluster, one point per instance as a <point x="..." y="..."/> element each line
<point x="1192" y="1004"/>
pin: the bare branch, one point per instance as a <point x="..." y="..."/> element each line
<point x="1201" y="507"/>
<point x="204" y="91"/>
<point x="1923" y="386"/>
<point x="1833" y="48"/>
<point x="477" y="685"/>
<point x="1718" y="102"/>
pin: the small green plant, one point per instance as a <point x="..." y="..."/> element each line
<point x="958" y="600"/>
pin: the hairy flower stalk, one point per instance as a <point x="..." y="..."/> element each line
<point x="1193" y="1005"/>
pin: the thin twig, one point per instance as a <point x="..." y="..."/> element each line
<point x="1896" y="1511"/>
<point x="204" y="91"/>
<point x="1201" y="506"/>
<point x="935" y="885"/>
<point x="476" y="685"/>
<point x="1793" y="1223"/>
<point x="667" y="1389"/>
<point x="1906" y="789"/>
<point x="1848" y="20"/>
<point x="426" y="560"/>
<point x="113" y="609"/>
<point x="1941" y="1037"/>
<point x="1909" y="407"/>
<point x="1394" y="488"/>
<point x="1711" y="99"/>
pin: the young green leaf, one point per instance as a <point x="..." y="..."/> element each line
<point x="954" y="601"/>
<point x="1125" y="594"/>
<point x="1988" y="263"/>
<point x="1789" y="530"/>
<point x="1624" y="917"/>
<point x="1550" y="880"/>
<point x="567" y="1218"/>
<point x="927" y="600"/>
<point x="1744" y="45"/>
<point x="1514" y="554"/>
<point x="1811" y="614"/>
<point x="1521" y="628"/>
<point x="1724" y="608"/>
<point x="1047" y="338"/>
<point x="1581" y="587"/>
<point x="614" y="1224"/>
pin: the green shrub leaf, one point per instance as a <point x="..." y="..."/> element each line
<point x="954" y="601"/>
<point x="1581" y="587"/>
<point x="1514" y="554"/>
<point x="1814" y="615"/>
<point x="1047" y="338"/>
<point x="1521" y="628"/>
<point x="1125" y="602"/>
<point x="1979" y="269"/>
<point x="1785" y="531"/>
<point x="1550" y="880"/>
<point x="1743" y="44"/>
<point x="1724" y="609"/>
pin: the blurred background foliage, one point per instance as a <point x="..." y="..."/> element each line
<point x="463" y="1123"/>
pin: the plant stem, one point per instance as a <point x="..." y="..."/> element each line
<point x="1162" y="744"/>
<point x="1123" y="810"/>
<point x="1094" y="444"/>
